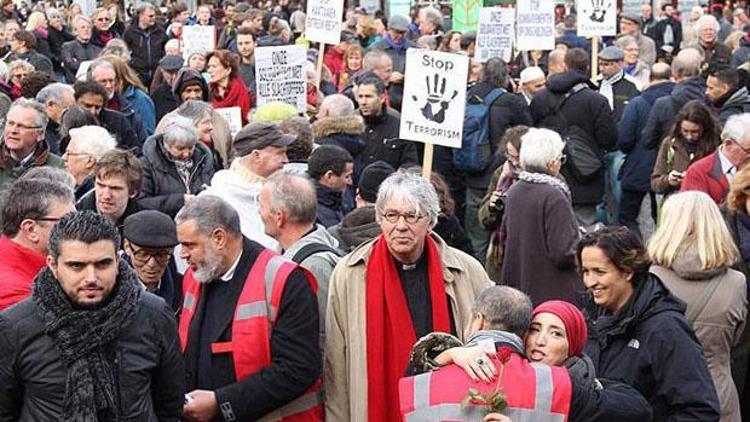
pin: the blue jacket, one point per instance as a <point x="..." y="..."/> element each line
<point x="635" y="173"/>
<point x="667" y="107"/>
<point x="137" y="100"/>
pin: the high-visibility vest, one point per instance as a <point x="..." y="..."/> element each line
<point x="252" y="324"/>
<point x="534" y="392"/>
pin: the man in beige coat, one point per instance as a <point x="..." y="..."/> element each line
<point x="398" y="287"/>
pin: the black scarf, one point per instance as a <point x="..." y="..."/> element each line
<point x="85" y="340"/>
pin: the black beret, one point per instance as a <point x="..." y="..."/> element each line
<point x="150" y="229"/>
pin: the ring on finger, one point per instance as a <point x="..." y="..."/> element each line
<point x="480" y="361"/>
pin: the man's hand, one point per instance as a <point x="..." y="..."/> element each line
<point x="397" y="78"/>
<point x="201" y="406"/>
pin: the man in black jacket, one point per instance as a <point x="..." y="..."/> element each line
<point x="146" y="40"/>
<point x="331" y="167"/>
<point x="243" y="374"/>
<point x="113" y="353"/>
<point x="587" y="110"/>
<point x="92" y="96"/>
<point x="163" y="96"/>
<point x="726" y="93"/>
<point x="80" y="49"/>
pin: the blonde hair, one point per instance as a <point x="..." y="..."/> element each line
<point x="739" y="191"/>
<point x="35" y="21"/>
<point x="692" y="220"/>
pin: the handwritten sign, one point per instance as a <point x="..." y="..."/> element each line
<point x="323" y="22"/>
<point x="535" y="25"/>
<point x="495" y="34"/>
<point x="597" y="17"/>
<point x="197" y="39"/>
<point x="233" y="116"/>
<point x="280" y="76"/>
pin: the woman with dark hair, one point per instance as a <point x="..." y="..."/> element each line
<point x="226" y="86"/>
<point x="73" y="117"/>
<point x="695" y="134"/>
<point x="451" y="42"/>
<point x="638" y="332"/>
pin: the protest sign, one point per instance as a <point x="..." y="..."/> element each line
<point x="466" y="14"/>
<point x="597" y="17"/>
<point x="434" y="97"/>
<point x="280" y="75"/>
<point x="323" y="22"/>
<point x="233" y="116"/>
<point x="495" y="34"/>
<point x="197" y="39"/>
<point x="685" y="7"/>
<point x="632" y="6"/>
<point x="535" y="25"/>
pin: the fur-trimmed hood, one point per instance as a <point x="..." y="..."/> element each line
<point x="352" y="125"/>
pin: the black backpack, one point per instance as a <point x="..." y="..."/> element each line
<point x="313" y="248"/>
<point x="584" y="162"/>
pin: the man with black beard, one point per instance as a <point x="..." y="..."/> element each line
<point x="249" y="323"/>
<point x="90" y="344"/>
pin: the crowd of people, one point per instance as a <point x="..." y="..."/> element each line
<point x="159" y="263"/>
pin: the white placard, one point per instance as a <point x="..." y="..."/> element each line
<point x="434" y="97"/>
<point x="233" y="116"/>
<point x="633" y="6"/>
<point x="495" y="34"/>
<point x="197" y="39"/>
<point x="535" y="25"/>
<point x="280" y="76"/>
<point x="685" y="7"/>
<point x="323" y="21"/>
<point x="597" y="17"/>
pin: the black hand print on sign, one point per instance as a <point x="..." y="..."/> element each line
<point x="599" y="10"/>
<point x="436" y="98"/>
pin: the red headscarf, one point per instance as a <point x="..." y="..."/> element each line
<point x="572" y="318"/>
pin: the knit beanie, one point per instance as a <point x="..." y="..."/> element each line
<point x="371" y="179"/>
<point x="572" y="318"/>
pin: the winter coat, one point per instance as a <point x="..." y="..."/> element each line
<point x="147" y="48"/>
<point x="37" y="60"/>
<point x="622" y="92"/>
<point x="649" y="345"/>
<point x="635" y="173"/>
<point x="149" y="369"/>
<point x="741" y="55"/>
<point x="382" y="141"/>
<point x="346" y="330"/>
<point x="661" y="28"/>
<point x="541" y="235"/>
<point x="357" y="227"/>
<point x="719" y="55"/>
<point x="118" y="125"/>
<point x="164" y="100"/>
<point x="719" y="325"/>
<point x="163" y="188"/>
<point x="398" y="57"/>
<point x="137" y="101"/>
<point x="18" y="268"/>
<point x="672" y="157"/>
<point x="88" y="203"/>
<point x="737" y="103"/>
<point x="74" y="53"/>
<point x="41" y="157"/>
<point x="329" y="211"/>
<point x="56" y="40"/>
<point x="346" y="132"/>
<point x="706" y="175"/>
<point x="451" y="230"/>
<point x="241" y="188"/>
<point x="586" y="109"/>
<point x="666" y="108"/>
<point x="42" y="45"/>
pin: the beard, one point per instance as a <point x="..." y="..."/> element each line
<point x="208" y="270"/>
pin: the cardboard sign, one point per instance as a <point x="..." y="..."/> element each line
<point x="280" y="75"/>
<point x="535" y="25"/>
<point x="197" y="39"/>
<point x="233" y="116"/>
<point x="597" y="17"/>
<point x="466" y="14"/>
<point x="323" y="21"/>
<point x="495" y="34"/>
<point x="634" y="6"/>
<point x="434" y="97"/>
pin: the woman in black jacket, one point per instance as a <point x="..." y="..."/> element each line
<point x="638" y="332"/>
<point x="176" y="167"/>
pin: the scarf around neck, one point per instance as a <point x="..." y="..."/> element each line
<point x="390" y="331"/>
<point x="393" y="45"/>
<point x="85" y="340"/>
<point x="236" y="95"/>
<point x="545" y="179"/>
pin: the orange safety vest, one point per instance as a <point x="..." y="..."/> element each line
<point x="253" y="321"/>
<point x="534" y="392"/>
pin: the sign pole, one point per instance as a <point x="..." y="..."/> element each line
<point x="427" y="161"/>
<point x="594" y="58"/>
<point x="319" y="68"/>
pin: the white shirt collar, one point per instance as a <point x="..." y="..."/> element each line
<point x="727" y="168"/>
<point x="227" y="276"/>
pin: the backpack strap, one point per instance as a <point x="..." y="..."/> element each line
<point x="493" y="96"/>
<point x="708" y="292"/>
<point x="313" y="248"/>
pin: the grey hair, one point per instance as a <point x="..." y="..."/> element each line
<point x="82" y="18"/>
<point x="495" y="71"/>
<point x="294" y="194"/>
<point x="195" y="110"/>
<point x="736" y="127"/>
<point x="100" y="63"/>
<point x="54" y="93"/>
<point x="117" y="47"/>
<point x="179" y="131"/>
<point x="687" y="63"/>
<point x="53" y="13"/>
<point x="707" y="20"/>
<point x="41" y="114"/>
<point x="540" y="146"/>
<point x="372" y="59"/>
<point x="625" y="41"/>
<point x="432" y="15"/>
<point x="31" y="199"/>
<point x="338" y="105"/>
<point x="54" y="174"/>
<point x="210" y="212"/>
<point x="504" y="308"/>
<point x="411" y="188"/>
<point x="174" y="42"/>
<point x="95" y="140"/>
<point x="15" y="64"/>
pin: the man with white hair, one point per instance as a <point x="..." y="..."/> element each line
<point x="81" y="49"/>
<point x="389" y="292"/>
<point x="714" y="51"/>
<point x="713" y="173"/>
<point x="87" y="145"/>
<point x="430" y="21"/>
<point x="56" y="98"/>
<point x="532" y="80"/>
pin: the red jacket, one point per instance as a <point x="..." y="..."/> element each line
<point x="334" y="61"/>
<point x="706" y="176"/>
<point x="18" y="267"/>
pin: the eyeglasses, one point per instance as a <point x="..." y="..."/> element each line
<point x="49" y="219"/>
<point x="142" y="256"/>
<point x="10" y="124"/>
<point x="73" y="154"/>
<point x="392" y="216"/>
<point x="745" y="150"/>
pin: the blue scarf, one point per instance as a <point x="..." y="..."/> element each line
<point x="395" y="47"/>
<point x="630" y="70"/>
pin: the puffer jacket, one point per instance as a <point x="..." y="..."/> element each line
<point x="150" y="372"/>
<point x="163" y="188"/>
<point x="650" y="346"/>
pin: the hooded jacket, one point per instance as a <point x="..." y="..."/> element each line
<point x="357" y="227"/>
<point x="737" y="103"/>
<point x="720" y="324"/>
<point x="186" y="75"/>
<point x="666" y="108"/>
<point x="343" y="131"/>
<point x="649" y="344"/>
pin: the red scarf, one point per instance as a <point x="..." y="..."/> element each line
<point x="235" y="96"/>
<point x="390" y="331"/>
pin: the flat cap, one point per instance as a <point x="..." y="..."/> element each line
<point x="632" y="17"/>
<point x="612" y="54"/>
<point x="171" y="62"/>
<point x="150" y="229"/>
<point x="259" y="135"/>
<point x="398" y="23"/>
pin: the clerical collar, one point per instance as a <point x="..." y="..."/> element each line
<point x="227" y="276"/>
<point x="408" y="267"/>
